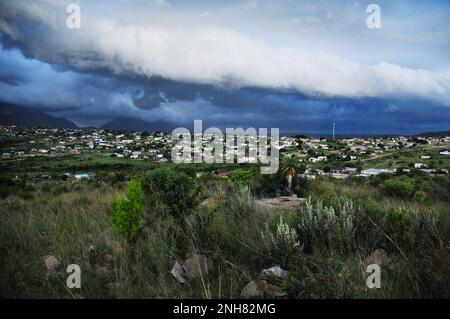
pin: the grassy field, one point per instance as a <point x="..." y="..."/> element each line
<point x="323" y="242"/>
<point x="324" y="259"/>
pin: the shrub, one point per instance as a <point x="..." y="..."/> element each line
<point x="397" y="225"/>
<point x="167" y="191"/>
<point x="402" y="186"/>
<point x="322" y="226"/>
<point x="269" y="185"/>
<point x="280" y="242"/>
<point x="240" y="177"/>
<point x="301" y="186"/>
<point x="126" y="211"/>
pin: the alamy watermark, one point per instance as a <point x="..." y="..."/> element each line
<point x="374" y="19"/>
<point x="74" y="279"/>
<point x="73" y="20"/>
<point x="374" y="279"/>
<point x="237" y="145"/>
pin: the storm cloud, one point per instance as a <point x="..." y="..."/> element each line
<point x="178" y="63"/>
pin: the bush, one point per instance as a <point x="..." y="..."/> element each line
<point x="269" y="185"/>
<point x="126" y="211"/>
<point x="241" y="177"/>
<point x="398" y="226"/>
<point x="280" y="242"/>
<point x="322" y="226"/>
<point x="402" y="186"/>
<point x="167" y="191"/>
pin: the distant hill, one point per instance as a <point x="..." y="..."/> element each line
<point x="431" y="134"/>
<point x="133" y="124"/>
<point x="24" y="116"/>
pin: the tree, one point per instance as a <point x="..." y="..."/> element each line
<point x="126" y="211"/>
<point x="167" y="191"/>
<point x="290" y="167"/>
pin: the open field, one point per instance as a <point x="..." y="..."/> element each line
<point x="322" y="231"/>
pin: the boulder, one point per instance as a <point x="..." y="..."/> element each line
<point x="191" y="268"/>
<point x="275" y="272"/>
<point x="259" y="288"/>
<point x="378" y="257"/>
<point x="254" y="289"/>
<point x="51" y="263"/>
<point x="178" y="272"/>
<point x="196" y="264"/>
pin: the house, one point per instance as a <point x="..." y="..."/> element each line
<point x="445" y="153"/>
<point x="79" y="177"/>
<point x="425" y="157"/>
<point x="420" y="165"/>
<point x="338" y="170"/>
<point x="376" y="171"/>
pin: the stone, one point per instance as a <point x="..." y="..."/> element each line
<point x="378" y="257"/>
<point x="51" y="263"/>
<point x="254" y="289"/>
<point x="195" y="264"/>
<point x="191" y="268"/>
<point x="275" y="291"/>
<point x="275" y="272"/>
<point x="178" y="272"/>
<point x="259" y="288"/>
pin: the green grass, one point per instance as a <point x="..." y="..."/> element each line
<point x="328" y="264"/>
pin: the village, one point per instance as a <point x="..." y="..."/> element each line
<point x="338" y="158"/>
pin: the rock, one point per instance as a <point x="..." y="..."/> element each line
<point x="178" y="272"/>
<point x="191" y="267"/>
<point x="259" y="288"/>
<point x="275" y="272"/>
<point x="378" y="257"/>
<point x="195" y="264"/>
<point x="51" y="263"/>
<point x="254" y="289"/>
<point x="275" y="291"/>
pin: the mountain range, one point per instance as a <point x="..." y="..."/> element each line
<point x="11" y="114"/>
<point x="23" y="116"/>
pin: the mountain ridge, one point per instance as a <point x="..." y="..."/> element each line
<point x="11" y="114"/>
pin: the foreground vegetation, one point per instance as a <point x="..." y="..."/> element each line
<point x="126" y="236"/>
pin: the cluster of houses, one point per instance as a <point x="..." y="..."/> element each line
<point x="157" y="147"/>
<point x="51" y="142"/>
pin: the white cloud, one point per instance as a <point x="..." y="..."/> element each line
<point x="221" y="56"/>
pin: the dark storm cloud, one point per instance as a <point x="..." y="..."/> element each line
<point x="95" y="98"/>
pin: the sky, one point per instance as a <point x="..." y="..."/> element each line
<point x="295" y="65"/>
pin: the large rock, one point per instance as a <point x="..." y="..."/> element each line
<point x="275" y="272"/>
<point x="178" y="272"/>
<point x="196" y="264"/>
<point x="260" y="288"/>
<point x="51" y="263"/>
<point x="191" y="268"/>
<point x="378" y="257"/>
